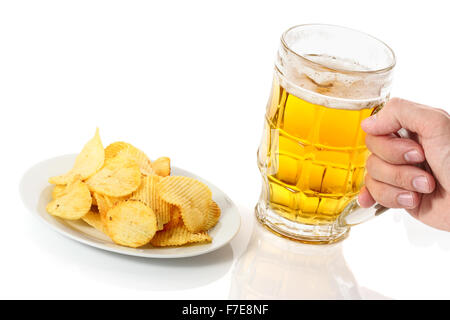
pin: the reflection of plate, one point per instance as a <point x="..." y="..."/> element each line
<point x="36" y="193"/>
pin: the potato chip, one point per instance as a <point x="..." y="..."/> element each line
<point x="119" y="192"/>
<point x="87" y="163"/>
<point x="178" y="236"/>
<point x="94" y="200"/>
<point x="105" y="203"/>
<point x="93" y="219"/>
<point x="58" y="190"/>
<point x="120" y="176"/>
<point x="114" y="148"/>
<point x="134" y="153"/>
<point x="131" y="223"/>
<point x="148" y="194"/>
<point x="213" y="215"/>
<point x="73" y="203"/>
<point x="161" y="166"/>
<point x="175" y="218"/>
<point x="191" y="196"/>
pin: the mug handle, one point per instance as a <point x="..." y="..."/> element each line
<point x="353" y="214"/>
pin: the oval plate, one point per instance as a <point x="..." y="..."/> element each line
<point x="36" y="193"/>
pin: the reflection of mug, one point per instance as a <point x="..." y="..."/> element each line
<point x="312" y="155"/>
<point x="276" y="268"/>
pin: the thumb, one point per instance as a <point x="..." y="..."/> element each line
<point x="397" y="114"/>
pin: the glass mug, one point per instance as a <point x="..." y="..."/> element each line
<point x="312" y="155"/>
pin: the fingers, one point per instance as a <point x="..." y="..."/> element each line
<point x="406" y="177"/>
<point x="395" y="150"/>
<point x="399" y="113"/>
<point x="394" y="186"/>
<point x="390" y="196"/>
<point x="365" y="200"/>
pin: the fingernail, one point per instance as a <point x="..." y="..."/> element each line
<point x="405" y="200"/>
<point x="413" y="156"/>
<point x="421" y="184"/>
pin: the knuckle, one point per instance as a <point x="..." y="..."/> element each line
<point x="387" y="199"/>
<point x="382" y="198"/>
<point x="384" y="202"/>
<point x="442" y="121"/>
<point x="438" y="124"/>
<point x="399" y="178"/>
<point x="374" y="143"/>
<point x="370" y="163"/>
<point x="374" y="189"/>
<point x="395" y="101"/>
<point x="443" y="111"/>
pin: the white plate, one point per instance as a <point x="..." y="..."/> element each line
<point x="36" y="193"/>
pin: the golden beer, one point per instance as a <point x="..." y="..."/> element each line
<point x="314" y="157"/>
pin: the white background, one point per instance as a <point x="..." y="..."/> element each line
<point x="190" y="80"/>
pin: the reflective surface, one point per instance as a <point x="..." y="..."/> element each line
<point x="103" y="72"/>
<point x="411" y="261"/>
<point x="278" y="268"/>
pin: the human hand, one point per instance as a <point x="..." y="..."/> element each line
<point x="411" y="173"/>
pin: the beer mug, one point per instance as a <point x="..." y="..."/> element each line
<point x="312" y="156"/>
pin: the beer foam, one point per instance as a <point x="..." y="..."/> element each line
<point x="331" y="81"/>
<point x="336" y="63"/>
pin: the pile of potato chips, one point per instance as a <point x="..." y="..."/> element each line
<point x="134" y="201"/>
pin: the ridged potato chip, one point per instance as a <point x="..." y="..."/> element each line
<point x="93" y="219"/>
<point x="175" y="218"/>
<point x="73" y="203"/>
<point x="213" y="215"/>
<point x="120" y="176"/>
<point x="131" y="223"/>
<point x="148" y="194"/>
<point x="191" y="196"/>
<point x="178" y="236"/>
<point x="119" y="192"/>
<point x="87" y="163"/>
<point x="134" y="153"/>
<point x="161" y="166"/>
